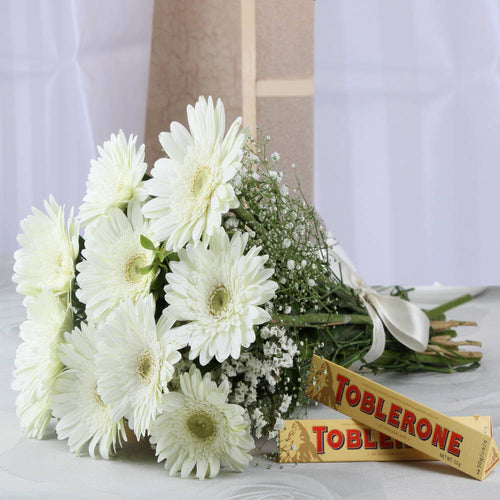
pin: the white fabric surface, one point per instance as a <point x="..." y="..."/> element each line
<point x="45" y="469"/>
<point x="71" y="73"/>
<point x="407" y="114"/>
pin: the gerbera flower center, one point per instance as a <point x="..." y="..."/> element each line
<point x="199" y="181"/>
<point x="145" y="366"/>
<point x="122" y="191"/>
<point x="133" y="266"/>
<point x="201" y="425"/>
<point x="219" y="300"/>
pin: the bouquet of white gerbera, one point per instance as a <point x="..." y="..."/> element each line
<point x="164" y="318"/>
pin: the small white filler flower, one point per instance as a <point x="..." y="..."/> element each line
<point x="192" y="186"/>
<point x="199" y="431"/>
<point x="37" y="361"/>
<point x="135" y="362"/>
<point x="114" y="179"/>
<point x="49" y="244"/>
<point x="218" y="291"/>
<point x="113" y="257"/>
<point x="85" y="420"/>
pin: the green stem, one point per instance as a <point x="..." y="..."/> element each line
<point x="438" y="311"/>
<point x="321" y="319"/>
<point x="247" y="217"/>
<point x="438" y="370"/>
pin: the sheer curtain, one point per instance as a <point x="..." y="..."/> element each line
<point x="408" y="137"/>
<point x="71" y="73"/>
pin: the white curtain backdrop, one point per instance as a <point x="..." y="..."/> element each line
<point x="71" y="73"/>
<point x="408" y="137"/>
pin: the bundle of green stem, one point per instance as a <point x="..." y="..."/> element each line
<point x="442" y="354"/>
<point x="318" y="310"/>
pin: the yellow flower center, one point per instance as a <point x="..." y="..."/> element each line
<point x="201" y="425"/>
<point x="133" y="266"/>
<point x="199" y="181"/>
<point x="219" y="300"/>
<point x="145" y="366"/>
<point x="123" y="191"/>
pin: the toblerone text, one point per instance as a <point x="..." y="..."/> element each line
<point x="403" y="419"/>
<point x="345" y="440"/>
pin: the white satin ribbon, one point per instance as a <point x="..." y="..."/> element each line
<point x="407" y="323"/>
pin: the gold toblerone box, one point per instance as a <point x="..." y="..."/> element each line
<point x="403" y="419"/>
<point x="345" y="440"/>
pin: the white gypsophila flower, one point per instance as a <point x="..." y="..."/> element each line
<point x="50" y="246"/>
<point x="285" y="403"/>
<point x="259" y="422"/>
<point x="198" y="431"/>
<point x="85" y="420"/>
<point x="192" y="186"/>
<point x="113" y="257"/>
<point x="135" y="362"/>
<point x="254" y="374"/>
<point x="218" y="291"/>
<point x="37" y="360"/>
<point x="240" y="392"/>
<point x="114" y="179"/>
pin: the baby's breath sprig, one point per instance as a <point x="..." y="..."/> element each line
<point x="281" y="221"/>
<point x="314" y="311"/>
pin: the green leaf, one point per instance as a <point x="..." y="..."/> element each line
<point x="147" y="243"/>
<point x="158" y="283"/>
<point x="173" y="257"/>
<point x="164" y="267"/>
<point x="146" y="269"/>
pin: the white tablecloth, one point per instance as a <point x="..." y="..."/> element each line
<point x="45" y="469"/>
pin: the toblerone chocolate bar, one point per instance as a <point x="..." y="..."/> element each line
<point x="345" y="440"/>
<point x="402" y="418"/>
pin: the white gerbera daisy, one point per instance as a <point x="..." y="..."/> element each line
<point x="199" y="430"/>
<point x="191" y="186"/>
<point x="218" y="290"/>
<point x="115" y="178"/>
<point x="113" y="257"/>
<point x="84" y="418"/>
<point x="135" y="362"/>
<point x="37" y="361"/>
<point x="46" y="260"/>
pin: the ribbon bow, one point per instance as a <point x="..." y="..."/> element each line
<point x="406" y="322"/>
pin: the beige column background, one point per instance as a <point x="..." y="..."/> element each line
<point x="256" y="55"/>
